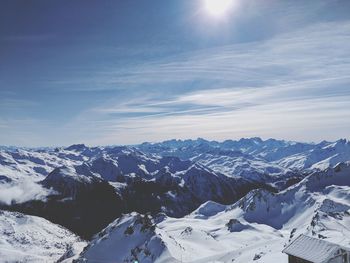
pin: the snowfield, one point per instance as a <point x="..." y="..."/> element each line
<point x="32" y="239"/>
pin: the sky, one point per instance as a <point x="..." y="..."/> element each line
<point x="123" y="72"/>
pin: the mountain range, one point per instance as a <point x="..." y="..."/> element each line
<point x="173" y="201"/>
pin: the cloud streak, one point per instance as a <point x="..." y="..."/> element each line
<point x="305" y="54"/>
<point x="294" y="86"/>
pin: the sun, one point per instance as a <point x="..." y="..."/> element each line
<point x="218" y="7"/>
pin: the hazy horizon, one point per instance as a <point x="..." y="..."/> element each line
<point x="176" y="139"/>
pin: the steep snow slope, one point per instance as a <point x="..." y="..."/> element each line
<point x="131" y="238"/>
<point x="314" y="194"/>
<point x="33" y="239"/>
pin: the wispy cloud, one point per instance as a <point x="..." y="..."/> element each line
<point x="294" y="86"/>
<point x="305" y="54"/>
<point x="304" y="118"/>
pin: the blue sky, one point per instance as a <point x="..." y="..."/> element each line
<point x="124" y="72"/>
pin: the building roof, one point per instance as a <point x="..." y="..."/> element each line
<point x="311" y="249"/>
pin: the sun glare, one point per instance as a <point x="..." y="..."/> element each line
<point x="218" y="7"/>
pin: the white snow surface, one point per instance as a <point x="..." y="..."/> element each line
<point x="33" y="239"/>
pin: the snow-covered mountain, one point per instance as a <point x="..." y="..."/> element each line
<point x="256" y="228"/>
<point x="182" y="201"/>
